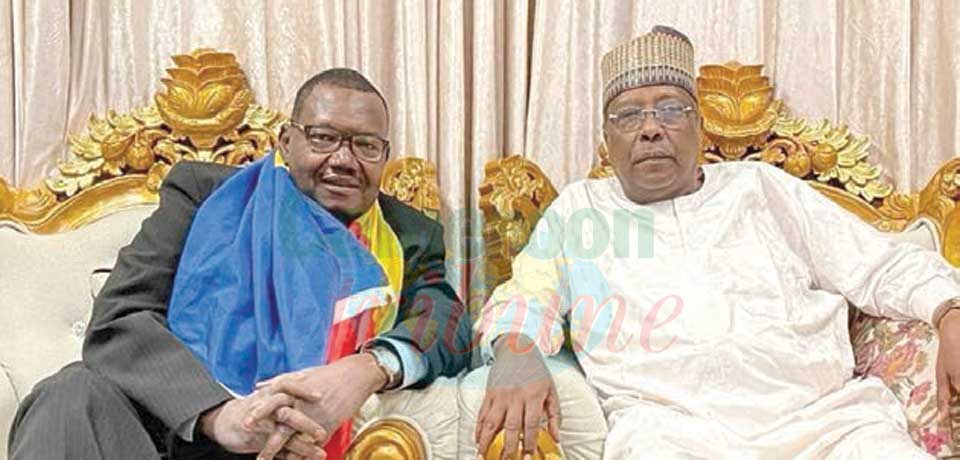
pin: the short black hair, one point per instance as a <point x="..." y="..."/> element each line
<point x="339" y="77"/>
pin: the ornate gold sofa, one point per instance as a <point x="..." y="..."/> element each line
<point x="743" y="122"/>
<point x="58" y="241"/>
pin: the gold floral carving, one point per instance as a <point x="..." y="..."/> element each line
<point x="414" y="182"/>
<point x="207" y="96"/>
<point x="513" y="195"/>
<point x="205" y="114"/>
<point x="389" y="438"/>
<point x="743" y="121"/>
<point x="826" y="153"/>
<point x="737" y="105"/>
<point x="546" y="448"/>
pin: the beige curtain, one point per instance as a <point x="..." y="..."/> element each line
<point x="469" y="81"/>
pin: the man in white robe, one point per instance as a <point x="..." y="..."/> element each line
<point x="707" y="306"/>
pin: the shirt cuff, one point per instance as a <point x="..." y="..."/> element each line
<point x="927" y="299"/>
<point x="487" y="349"/>
<point x="504" y="318"/>
<point x="186" y="429"/>
<point x="413" y="366"/>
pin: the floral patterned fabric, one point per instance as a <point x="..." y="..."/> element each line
<point x="904" y="355"/>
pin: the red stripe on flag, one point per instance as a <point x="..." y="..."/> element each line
<point x="343" y="341"/>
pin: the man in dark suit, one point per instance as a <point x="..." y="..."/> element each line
<point x="139" y="393"/>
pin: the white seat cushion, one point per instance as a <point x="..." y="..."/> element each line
<point x="47" y="285"/>
<point x="434" y="409"/>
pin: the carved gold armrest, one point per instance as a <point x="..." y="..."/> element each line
<point x="547" y="448"/>
<point x="389" y="438"/>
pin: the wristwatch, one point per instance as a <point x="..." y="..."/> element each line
<point x="389" y="363"/>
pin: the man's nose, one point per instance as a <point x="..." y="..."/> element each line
<point x="651" y="130"/>
<point x="343" y="157"/>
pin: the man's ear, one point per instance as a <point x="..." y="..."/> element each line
<point x="284" y="136"/>
<point x="284" y="144"/>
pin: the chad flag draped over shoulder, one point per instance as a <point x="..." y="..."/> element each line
<point x="269" y="282"/>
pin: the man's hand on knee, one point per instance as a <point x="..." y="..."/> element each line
<point x="520" y="396"/>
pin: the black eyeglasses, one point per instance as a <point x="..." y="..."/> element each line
<point x="324" y="139"/>
<point x="670" y="116"/>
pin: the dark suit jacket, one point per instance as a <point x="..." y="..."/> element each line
<point x="129" y="343"/>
